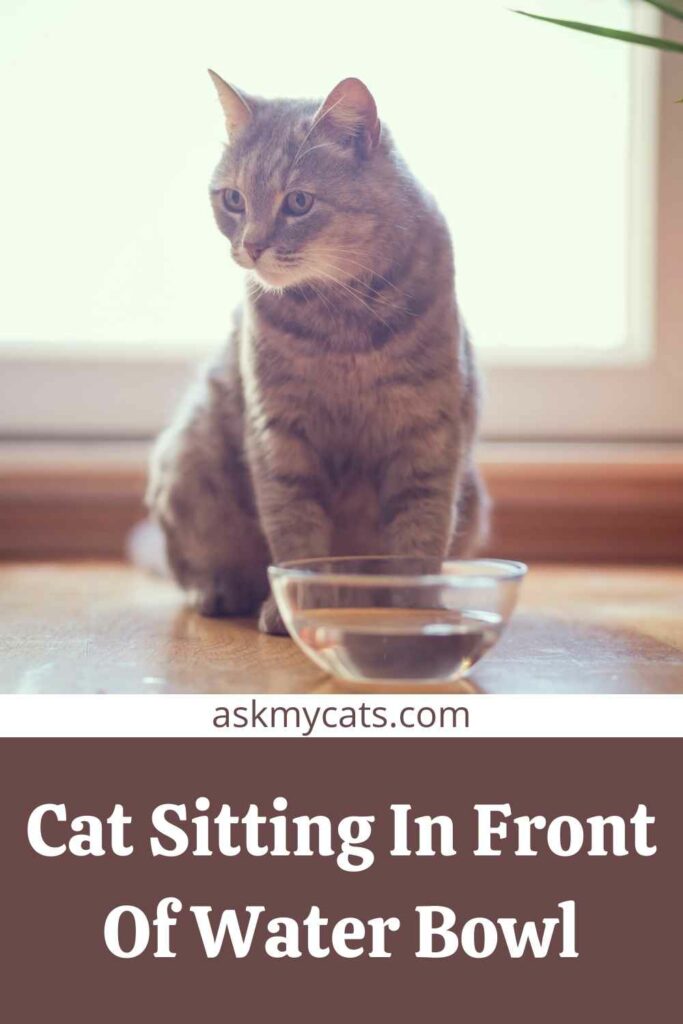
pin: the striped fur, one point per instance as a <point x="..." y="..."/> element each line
<point x="341" y="417"/>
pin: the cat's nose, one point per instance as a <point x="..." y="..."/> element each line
<point x="255" y="249"/>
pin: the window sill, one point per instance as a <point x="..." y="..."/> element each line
<point x="553" y="501"/>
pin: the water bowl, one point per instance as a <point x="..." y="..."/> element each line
<point x="396" y="619"/>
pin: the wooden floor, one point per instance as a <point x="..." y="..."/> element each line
<point x="107" y="628"/>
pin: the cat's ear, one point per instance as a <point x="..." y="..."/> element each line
<point x="351" y="110"/>
<point x="235" y="107"/>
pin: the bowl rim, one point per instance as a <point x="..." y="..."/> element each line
<point x="301" y="570"/>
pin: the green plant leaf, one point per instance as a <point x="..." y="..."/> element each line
<point x="610" y="33"/>
<point x="675" y="12"/>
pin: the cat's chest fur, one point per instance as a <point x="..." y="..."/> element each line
<point x="342" y="401"/>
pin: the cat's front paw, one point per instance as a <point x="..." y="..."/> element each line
<point x="270" y="620"/>
<point x="223" y="595"/>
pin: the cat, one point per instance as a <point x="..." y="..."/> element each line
<point x="341" y="416"/>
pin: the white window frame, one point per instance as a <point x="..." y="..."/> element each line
<point x="635" y="392"/>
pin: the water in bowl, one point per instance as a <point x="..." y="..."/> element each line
<point x="390" y="644"/>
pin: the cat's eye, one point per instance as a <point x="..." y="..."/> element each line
<point x="233" y="201"/>
<point x="296" y="204"/>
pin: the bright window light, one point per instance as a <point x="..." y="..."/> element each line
<point x="111" y="129"/>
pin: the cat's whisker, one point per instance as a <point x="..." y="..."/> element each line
<point x="316" y="122"/>
<point x="353" y="294"/>
<point x="322" y="298"/>
<point x="319" y="145"/>
<point x="376" y="297"/>
<point x="254" y="287"/>
<point x="349" y="253"/>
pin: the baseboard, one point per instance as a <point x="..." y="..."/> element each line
<point x="588" y="503"/>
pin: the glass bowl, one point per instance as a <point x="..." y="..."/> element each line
<point x="396" y="619"/>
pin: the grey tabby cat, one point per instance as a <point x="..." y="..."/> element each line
<point x="340" y="419"/>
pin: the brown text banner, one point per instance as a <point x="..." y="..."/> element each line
<point x="182" y="880"/>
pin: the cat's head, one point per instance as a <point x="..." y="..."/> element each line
<point x="301" y="188"/>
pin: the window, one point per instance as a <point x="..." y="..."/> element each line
<point x="540" y="145"/>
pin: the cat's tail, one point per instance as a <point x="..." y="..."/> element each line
<point x="146" y="548"/>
